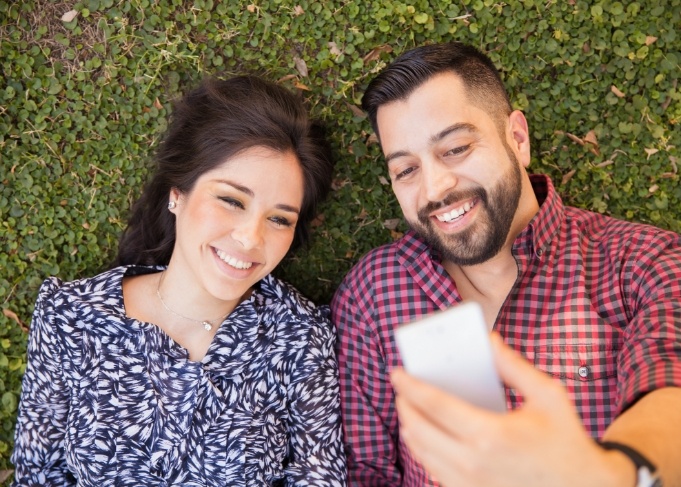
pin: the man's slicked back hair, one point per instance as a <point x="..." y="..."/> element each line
<point x="413" y="68"/>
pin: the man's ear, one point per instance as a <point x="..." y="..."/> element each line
<point x="519" y="135"/>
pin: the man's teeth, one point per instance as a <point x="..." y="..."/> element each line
<point x="239" y="264"/>
<point x="455" y="213"/>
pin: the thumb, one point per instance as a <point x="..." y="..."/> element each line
<point x="516" y="372"/>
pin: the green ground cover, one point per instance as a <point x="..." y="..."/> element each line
<point x="85" y="89"/>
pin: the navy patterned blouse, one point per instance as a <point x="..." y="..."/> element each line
<point x="109" y="400"/>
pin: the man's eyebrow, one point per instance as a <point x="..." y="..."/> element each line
<point x="395" y="155"/>
<point x="249" y="192"/>
<point x="457" y="127"/>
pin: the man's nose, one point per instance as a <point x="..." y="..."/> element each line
<point x="436" y="179"/>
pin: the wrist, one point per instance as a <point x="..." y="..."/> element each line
<point x="639" y="472"/>
<point x="620" y="471"/>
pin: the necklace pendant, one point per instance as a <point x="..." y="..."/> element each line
<point x="207" y="326"/>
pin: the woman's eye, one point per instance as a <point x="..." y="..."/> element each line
<point x="281" y="221"/>
<point x="232" y="202"/>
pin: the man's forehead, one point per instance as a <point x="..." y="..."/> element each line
<point x="440" y="91"/>
<point x="435" y="110"/>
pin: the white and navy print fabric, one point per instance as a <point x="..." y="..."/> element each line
<point x="111" y="401"/>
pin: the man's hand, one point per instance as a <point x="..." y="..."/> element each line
<point x="543" y="443"/>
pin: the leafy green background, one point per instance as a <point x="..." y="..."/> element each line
<point x="82" y="103"/>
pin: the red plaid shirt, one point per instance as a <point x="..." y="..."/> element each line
<point x="597" y="304"/>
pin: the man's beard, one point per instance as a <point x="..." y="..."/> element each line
<point x="486" y="237"/>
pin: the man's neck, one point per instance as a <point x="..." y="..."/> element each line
<point x="490" y="282"/>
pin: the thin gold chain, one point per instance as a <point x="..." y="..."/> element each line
<point x="207" y="324"/>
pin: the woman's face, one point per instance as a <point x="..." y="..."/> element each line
<point x="238" y="221"/>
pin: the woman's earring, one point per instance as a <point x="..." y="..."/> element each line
<point x="171" y="205"/>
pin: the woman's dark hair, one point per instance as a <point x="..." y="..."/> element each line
<point x="209" y="125"/>
<point x="410" y="70"/>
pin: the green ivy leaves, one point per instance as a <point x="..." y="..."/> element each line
<point x="83" y="103"/>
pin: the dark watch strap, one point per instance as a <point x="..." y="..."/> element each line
<point x="641" y="462"/>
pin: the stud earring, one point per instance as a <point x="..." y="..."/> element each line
<point x="171" y="205"/>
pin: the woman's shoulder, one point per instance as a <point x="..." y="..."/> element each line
<point x="101" y="290"/>
<point x="84" y="286"/>
<point x="275" y="290"/>
<point x="65" y="306"/>
<point x="298" y="321"/>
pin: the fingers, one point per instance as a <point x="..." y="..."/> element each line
<point x="460" y="418"/>
<point x="461" y="444"/>
<point x="449" y="413"/>
<point x="437" y="451"/>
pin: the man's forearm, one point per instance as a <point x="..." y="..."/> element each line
<point x="653" y="427"/>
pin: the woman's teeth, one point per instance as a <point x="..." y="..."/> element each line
<point x="238" y="264"/>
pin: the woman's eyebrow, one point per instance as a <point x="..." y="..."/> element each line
<point x="249" y="192"/>
<point x="289" y="208"/>
<point x="238" y="187"/>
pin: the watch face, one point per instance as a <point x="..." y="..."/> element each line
<point x="646" y="478"/>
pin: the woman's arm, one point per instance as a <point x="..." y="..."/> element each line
<point x="38" y="454"/>
<point x="317" y="457"/>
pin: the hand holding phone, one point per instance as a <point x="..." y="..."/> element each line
<point x="451" y="350"/>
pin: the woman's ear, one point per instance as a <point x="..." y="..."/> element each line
<point x="173" y="199"/>
<point x="519" y="135"/>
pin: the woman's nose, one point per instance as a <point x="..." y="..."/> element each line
<point x="248" y="234"/>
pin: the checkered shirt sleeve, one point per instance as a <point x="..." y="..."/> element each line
<point x="366" y="353"/>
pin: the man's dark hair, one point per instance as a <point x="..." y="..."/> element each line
<point x="413" y="68"/>
<point x="210" y="125"/>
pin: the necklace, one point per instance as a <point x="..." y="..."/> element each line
<point x="207" y="324"/>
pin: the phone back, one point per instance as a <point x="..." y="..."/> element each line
<point x="451" y="350"/>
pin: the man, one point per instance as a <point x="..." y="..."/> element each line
<point x="592" y="302"/>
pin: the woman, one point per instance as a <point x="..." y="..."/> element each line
<point x="189" y="364"/>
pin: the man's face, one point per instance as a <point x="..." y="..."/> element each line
<point x="456" y="177"/>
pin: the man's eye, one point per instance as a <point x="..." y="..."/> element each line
<point x="457" y="150"/>
<point x="232" y="202"/>
<point x="404" y="173"/>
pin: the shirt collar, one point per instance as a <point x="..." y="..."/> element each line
<point x="545" y="224"/>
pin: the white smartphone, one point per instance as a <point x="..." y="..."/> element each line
<point x="451" y="350"/>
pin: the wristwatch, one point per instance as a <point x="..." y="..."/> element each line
<point x="646" y="472"/>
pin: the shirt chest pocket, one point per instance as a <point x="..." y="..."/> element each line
<point x="588" y="371"/>
<point x="581" y="362"/>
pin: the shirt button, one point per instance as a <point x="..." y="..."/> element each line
<point x="540" y="252"/>
<point x="583" y="371"/>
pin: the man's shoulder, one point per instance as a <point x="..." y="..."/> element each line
<point x="621" y="239"/>
<point x="379" y="272"/>
<point x="603" y="227"/>
<point x="387" y="257"/>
